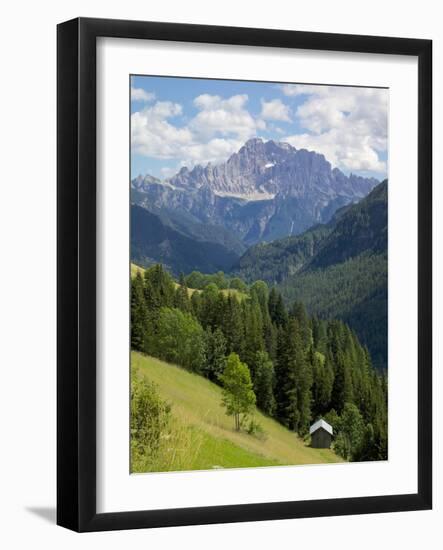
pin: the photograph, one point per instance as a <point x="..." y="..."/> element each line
<point x="259" y="273"/>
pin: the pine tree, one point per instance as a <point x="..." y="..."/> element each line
<point x="294" y="379"/>
<point x="162" y="285"/>
<point x="270" y="337"/>
<point x="277" y="310"/>
<point x="196" y="305"/>
<point x="215" y="354"/>
<point x="304" y="396"/>
<point x="233" y="326"/>
<point x="253" y="342"/>
<point x="272" y="304"/>
<point x="261" y="291"/>
<point x="342" y="391"/>
<point x="210" y="306"/>
<point x="350" y="438"/>
<point x="138" y="313"/>
<point x="298" y="312"/>
<point x="287" y="374"/>
<point x="264" y="383"/>
<point x="181" y="298"/>
<point x="319" y="335"/>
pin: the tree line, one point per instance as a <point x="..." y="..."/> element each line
<point x="301" y="368"/>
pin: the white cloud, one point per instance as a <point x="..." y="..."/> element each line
<point x="218" y="117"/>
<point x="292" y="90"/>
<point x="347" y="125"/>
<point x="341" y="150"/>
<point x="215" y="150"/>
<point x="219" y="129"/>
<point x="275" y="110"/>
<point x="153" y="135"/>
<point x="138" y="94"/>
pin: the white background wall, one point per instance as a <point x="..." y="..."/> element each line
<point x="27" y="289"/>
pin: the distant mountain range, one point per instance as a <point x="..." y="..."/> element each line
<point x="265" y="191"/>
<point x="338" y="270"/>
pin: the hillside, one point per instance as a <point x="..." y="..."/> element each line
<point x="153" y="241"/>
<point x="212" y="440"/>
<point x="338" y="270"/>
<point x="360" y="229"/>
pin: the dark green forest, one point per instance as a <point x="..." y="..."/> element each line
<point x="337" y="270"/>
<point x="301" y="367"/>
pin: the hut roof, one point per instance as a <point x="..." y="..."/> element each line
<point x="320" y="424"/>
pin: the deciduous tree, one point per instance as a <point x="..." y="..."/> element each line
<point x="238" y="394"/>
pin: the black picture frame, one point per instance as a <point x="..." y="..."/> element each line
<point x="76" y="280"/>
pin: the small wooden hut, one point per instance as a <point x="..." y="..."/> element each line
<point x="321" y="434"/>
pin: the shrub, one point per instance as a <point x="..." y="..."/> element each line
<point x="256" y="429"/>
<point x="159" y="442"/>
<point x="150" y="418"/>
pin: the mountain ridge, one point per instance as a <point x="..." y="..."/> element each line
<point x="266" y="190"/>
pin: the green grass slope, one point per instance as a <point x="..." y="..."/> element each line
<point x="206" y="436"/>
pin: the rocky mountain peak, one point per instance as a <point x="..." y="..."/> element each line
<point x="265" y="190"/>
<point x="142" y="183"/>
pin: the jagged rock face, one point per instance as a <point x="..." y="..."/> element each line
<point x="142" y="183"/>
<point x="265" y="191"/>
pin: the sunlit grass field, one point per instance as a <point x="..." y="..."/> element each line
<point x="203" y="436"/>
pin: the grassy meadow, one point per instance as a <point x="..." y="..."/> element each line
<point x="202" y="436"/>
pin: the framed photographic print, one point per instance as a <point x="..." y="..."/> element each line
<point x="244" y="274"/>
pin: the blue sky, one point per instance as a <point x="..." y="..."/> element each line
<point x="179" y="122"/>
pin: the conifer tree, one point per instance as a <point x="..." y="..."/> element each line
<point x="215" y="354"/>
<point x="277" y="310"/>
<point x="253" y="342"/>
<point x="287" y="374"/>
<point x="350" y="437"/>
<point x="196" y="305"/>
<point x="162" y="285"/>
<point x="298" y="312"/>
<point x="260" y="290"/>
<point x="264" y="383"/>
<point x="210" y="305"/>
<point x="272" y="304"/>
<point x="319" y="334"/>
<point x="138" y="313"/>
<point x="270" y="337"/>
<point x="181" y="298"/>
<point x="233" y="326"/>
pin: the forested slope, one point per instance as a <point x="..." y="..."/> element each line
<point x="299" y="368"/>
<point x="338" y="270"/>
